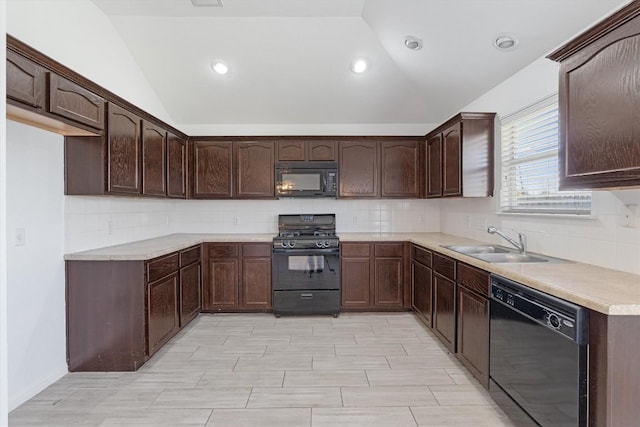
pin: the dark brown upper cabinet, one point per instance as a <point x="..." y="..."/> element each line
<point x="599" y="104"/>
<point x="176" y="167"/>
<point x="154" y="160"/>
<point x="232" y="169"/>
<point x="358" y="169"/>
<point x="254" y="171"/>
<point x="25" y="81"/>
<point x="305" y="150"/>
<point x="459" y="157"/>
<point x="73" y="102"/>
<point x="400" y="169"/>
<point x="123" y="151"/>
<point x="211" y="169"/>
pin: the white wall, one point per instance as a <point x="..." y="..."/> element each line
<point x="36" y="281"/>
<point x="600" y="240"/>
<point x="79" y="35"/>
<point x="3" y="223"/>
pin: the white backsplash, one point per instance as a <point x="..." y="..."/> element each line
<point x="102" y="221"/>
<point x="603" y="239"/>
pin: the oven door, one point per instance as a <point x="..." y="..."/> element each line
<point x="306" y="269"/>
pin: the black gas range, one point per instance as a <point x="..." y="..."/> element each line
<point x="306" y="265"/>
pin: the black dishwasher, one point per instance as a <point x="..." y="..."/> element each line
<point x="538" y="356"/>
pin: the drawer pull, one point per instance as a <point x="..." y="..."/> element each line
<point x="306" y="296"/>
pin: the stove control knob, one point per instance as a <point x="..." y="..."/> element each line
<point x="284" y="243"/>
<point x="292" y="244"/>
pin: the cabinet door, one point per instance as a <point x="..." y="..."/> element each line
<point x="190" y="293"/>
<point x="69" y="100"/>
<point x="176" y="167"/>
<point x="388" y="282"/>
<point x="154" y="160"/>
<point x="358" y="168"/>
<point x="452" y="161"/>
<point x="473" y="333"/>
<point x="434" y="166"/>
<point x="289" y="151"/>
<point x="322" y="151"/>
<point x="212" y="170"/>
<point x="221" y="292"/>
<point x="421" y="291"/>
<point x="255" y="174"/>
<point x="356" y="283"/>
<point x="444" y="310"/>
<point x="25" y="81"/>
<point x="400" y="169"/>
<point x="599" y="109"/>
<point x="162" y="311"/>
<point x="123" y="151"/>
<point x="256" y="283"/>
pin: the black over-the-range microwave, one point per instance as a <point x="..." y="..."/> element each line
<point x="306" y="179"/>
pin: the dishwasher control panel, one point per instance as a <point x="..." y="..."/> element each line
<point x="562" y="316"/>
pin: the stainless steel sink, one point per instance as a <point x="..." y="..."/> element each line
<point x="500" y="255"/>
<point x="510" y="258"/>
<point x="478" y="249"/>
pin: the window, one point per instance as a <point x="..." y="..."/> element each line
<point x="530" y="164"/>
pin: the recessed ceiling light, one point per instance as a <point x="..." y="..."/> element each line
<point x="207" y="3"/>
<point x="412" y="43"/>
<point x="220" y="67"/>
<point x="505" y="42"/>
<point x="359" y="66"/>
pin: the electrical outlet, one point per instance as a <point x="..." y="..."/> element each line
<point x="110" y="227"/>
<point x="235" y="220"/>
<point x="21" y="237"/>
<point x="355" y="219"/>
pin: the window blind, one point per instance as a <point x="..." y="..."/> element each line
<point x="530" y="176"/>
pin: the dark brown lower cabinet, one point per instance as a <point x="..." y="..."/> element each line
<point x="473" y="320"/>
<point x="190" y="289"/>
<point x="422" y="284"/>
<point x="473" y="333"/>
<point x="121" y="312"/>
<point x="237" y="277"/>
<point x="444" y="300"/>
<point x="162" y="311"/>
<point x="372" y="276"/>
<point x="444" y="310"/>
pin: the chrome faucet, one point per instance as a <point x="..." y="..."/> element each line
<point x="520" y="246"/>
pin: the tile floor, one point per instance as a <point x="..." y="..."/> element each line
<point x="252" y="370"/>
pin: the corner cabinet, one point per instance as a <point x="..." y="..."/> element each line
<point x="599" y="104"/>
<point x="459" y="157"/>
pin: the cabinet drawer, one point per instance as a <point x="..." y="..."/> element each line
<point x="189" y="256"/>
<point x="355" y="250"/>
<point x="160" y="267"/>
<point x="223" y="250"/>
<point x="421" y="255"/>
<point x="445" y="266"/>
<point x="68" y="100"/>
<point x="388" y="249"/>
<point x="473" y="278"/>
<point x="256" y="250"/>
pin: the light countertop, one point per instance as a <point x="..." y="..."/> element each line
<point x="604" y="290"/>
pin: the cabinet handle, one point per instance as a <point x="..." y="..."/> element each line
<point x="306" y="296"/>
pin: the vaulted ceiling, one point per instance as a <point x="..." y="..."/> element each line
<point x="289" y="60"/>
